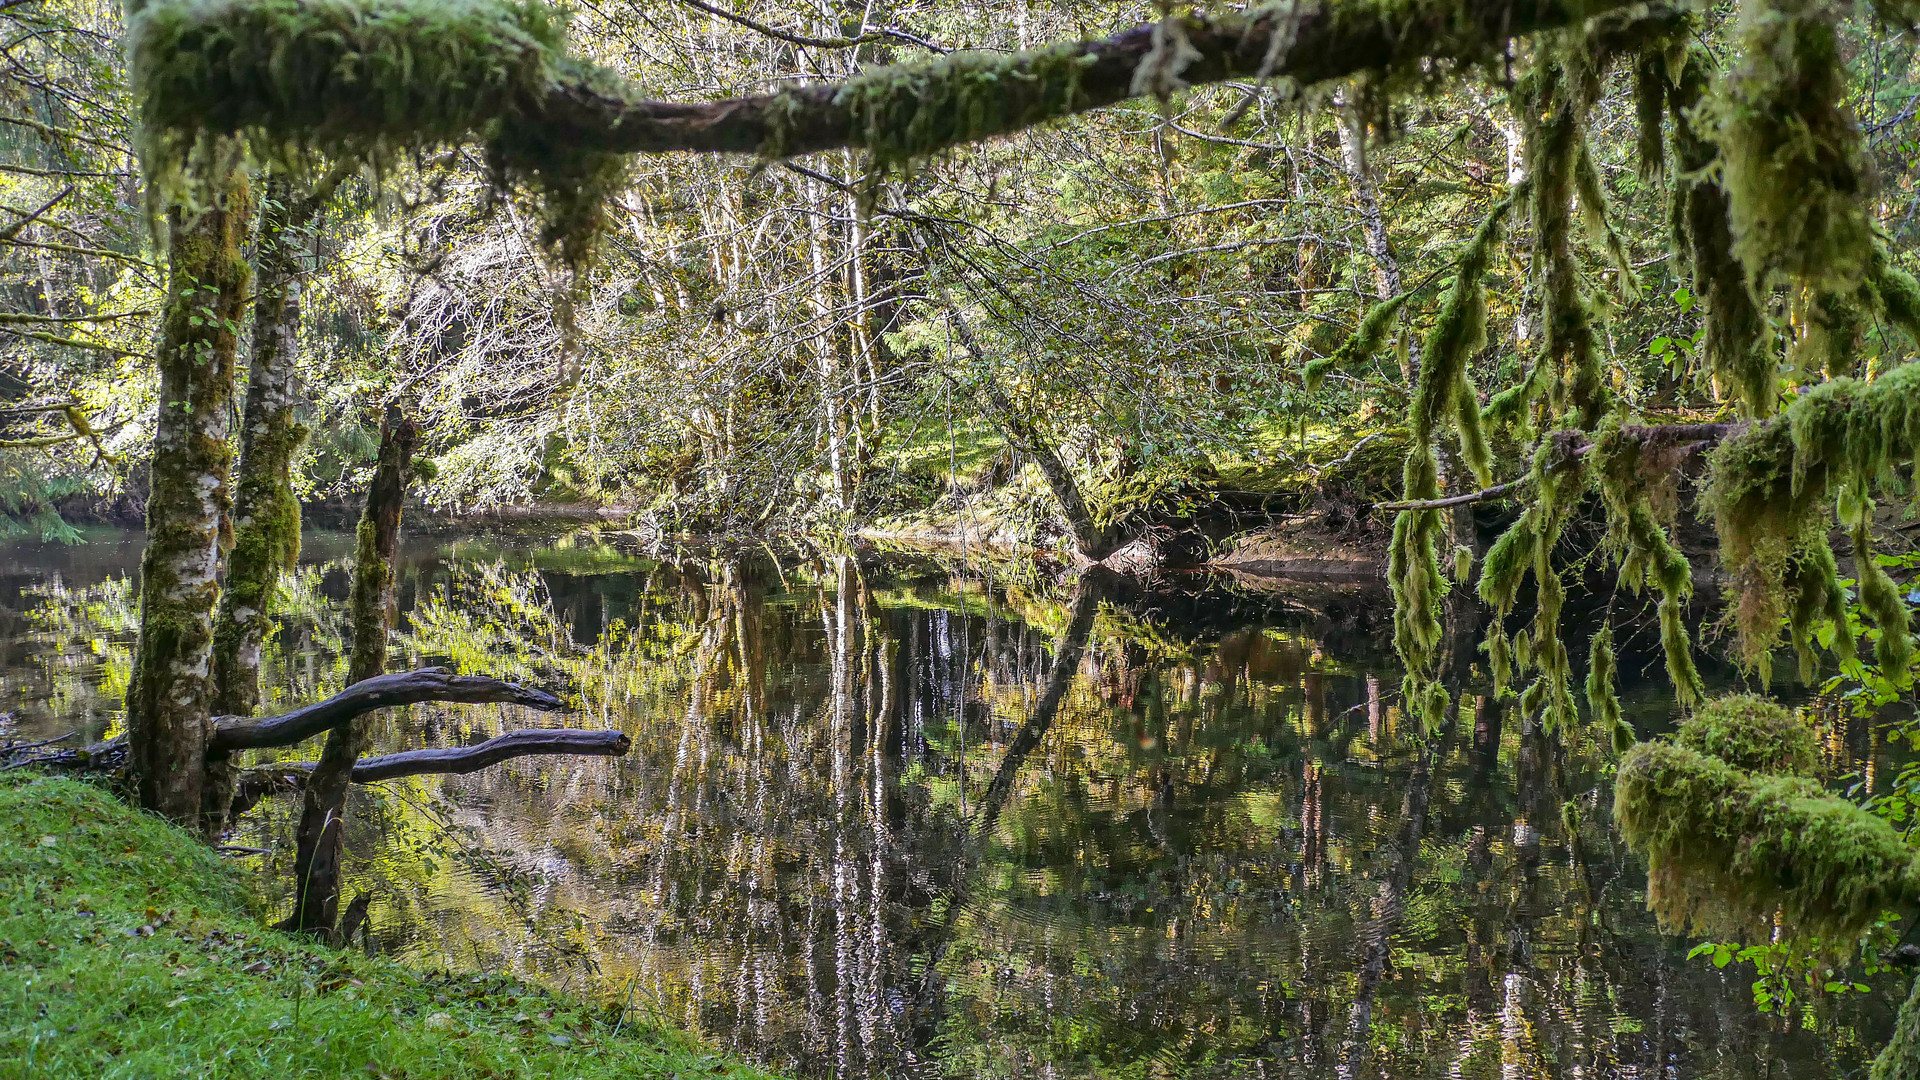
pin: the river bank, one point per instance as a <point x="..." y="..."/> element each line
<point x="129" y="949"/>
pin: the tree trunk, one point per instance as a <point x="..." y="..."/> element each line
<point x="169" y="698"/>
<point x="1093" y="542"/>
<point x="829" y="364"/>
<point x="316" y="866"/>
<point x="266" y="513"/>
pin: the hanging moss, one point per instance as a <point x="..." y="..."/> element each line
<point x="1897" y="291"/>
<point x="1549" y="106"/>
<point x="1637" y="489"/>
<point x="1726" y="852"/>
<point x="1752" y="733"/>
<point x="1366" y="340"/>
<point x="370" y="79"/>
<point x="1593" y="210"/>
<point x="1773" y="489"/>
<point x="1603" y="697"/>
<point x="1445" y="392"/>
<point x="1649" y="112"/>
<point x="1737" y="335"/>
<point x="1791" y="157"/>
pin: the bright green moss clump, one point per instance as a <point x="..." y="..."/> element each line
<point x="1726" y="851"/>
<point x="369" y="78"/>
<point x="1752" y="733"/>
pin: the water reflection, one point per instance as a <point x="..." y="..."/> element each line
<point x="912" y="819"/>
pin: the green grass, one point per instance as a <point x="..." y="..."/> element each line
<point x="127" y="950"/>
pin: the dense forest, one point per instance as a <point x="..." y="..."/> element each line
<point x="1522" y="305"/>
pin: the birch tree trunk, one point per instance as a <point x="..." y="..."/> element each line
<point x="266" y="514"/>
<point x="828" y="362"/>
<point x="316" y="866"/>
<point x="169" y="698"/>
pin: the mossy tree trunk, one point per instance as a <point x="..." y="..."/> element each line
<point x="266" y="513"/>
<point x="169" y="698"/>
<point x="316" y="865"/>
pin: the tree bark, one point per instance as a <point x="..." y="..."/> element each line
<point x="266" y="513"/>
<point x="316" y="866"/>
<point x="169" y="700"/>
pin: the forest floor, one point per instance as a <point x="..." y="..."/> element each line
<point x="127" y="949"/>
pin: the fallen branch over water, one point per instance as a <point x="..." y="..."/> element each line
<point x="233" y="733"/>
<point x="380" y="692"/>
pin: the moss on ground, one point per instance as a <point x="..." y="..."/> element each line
<point x="127" y="949"/>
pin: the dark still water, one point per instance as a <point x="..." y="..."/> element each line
<point x="896" y="817"/>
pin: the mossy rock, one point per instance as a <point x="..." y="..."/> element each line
<point x="1753" y="734"/>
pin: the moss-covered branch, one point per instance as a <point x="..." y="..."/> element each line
<point x="1778" y="488"/>
<point x="354" y="75"/>
<point x="1727" y="850"/>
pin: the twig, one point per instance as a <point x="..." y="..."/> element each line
<point x="1347" y="457"/>
<point x="14" y="748"/>
<point x="1482" y="495"/>
<point x="13" y="230"/>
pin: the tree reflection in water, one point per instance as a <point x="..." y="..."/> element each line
<point x="891" y="819"/>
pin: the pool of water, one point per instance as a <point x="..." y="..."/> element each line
<point x="901" y="816"/>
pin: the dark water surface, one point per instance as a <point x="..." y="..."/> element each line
<point x="896" y="817"/>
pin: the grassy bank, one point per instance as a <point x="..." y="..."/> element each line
<point x="127" y="950"/>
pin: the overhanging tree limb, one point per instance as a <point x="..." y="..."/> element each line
<point x="1688" y="437"/>
<point x="327" y="83"/>
<point x="466" y="759"/>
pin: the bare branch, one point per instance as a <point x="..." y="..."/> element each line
<point x="466" y="759"/>
<point x="381" y="692"/>
<point x="13" y="230"/>
<point x="869" y="37"/>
